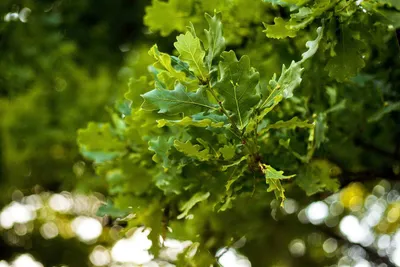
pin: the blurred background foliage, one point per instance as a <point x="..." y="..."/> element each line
<point x="64" y="63"/>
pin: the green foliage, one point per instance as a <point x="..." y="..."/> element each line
<point x="318" y="176"/>
<point x="215" y="130"/>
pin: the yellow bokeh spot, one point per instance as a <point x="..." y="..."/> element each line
<point x="393" y="213"/>
<point x="353" y="195"/>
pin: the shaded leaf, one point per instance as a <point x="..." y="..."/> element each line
<point x="389" y="107"/>
<point x="349" y="56"/>
<point x="196" y="198"/>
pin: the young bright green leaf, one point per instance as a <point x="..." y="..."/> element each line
<point x="271" y="173"/>
<point x="164" y="61"/>
<point x="215" y="38"/>
<point x="237" y="85"/>
<point x="276" y="187"/>
<point x="190" y="121"/>
<point x="190" y="51"/>
<point x="165" y="17"/>
<point x="176" y="101"/>
<point x="272" y="178"/>
<point x="196" y="198"/>
<point x="228" y="151"/>
<point x="99" y="137"/>
<point x="193" y="151"/>
<point x="136" y="88"/>
<point x="279" y="30"/>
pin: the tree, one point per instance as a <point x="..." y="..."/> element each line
<point x="211" y="146"/>
<point x="207" y="144"/>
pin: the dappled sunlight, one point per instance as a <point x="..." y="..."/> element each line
<point x="87" y="229"/>
<point x="16" y="213"/>
<point x="317" y="212"/>
<point x="133" y="249"/>
<point x="229" y="257"/>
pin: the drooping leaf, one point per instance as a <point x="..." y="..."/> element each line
<point x="190" y="51"/>
<point x="237" y="85"/>
<point x="312" y="45"/>
<point x="215" y="38"/>
<point x="176" y="101"/>
<point x="272" y="178"/>
<point x="196" y="198"/>
<point x="271" y="173"/>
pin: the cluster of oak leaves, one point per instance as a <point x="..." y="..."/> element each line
<point x="200" y="129"/>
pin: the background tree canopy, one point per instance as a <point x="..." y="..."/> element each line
<point x="199" y="133"/>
